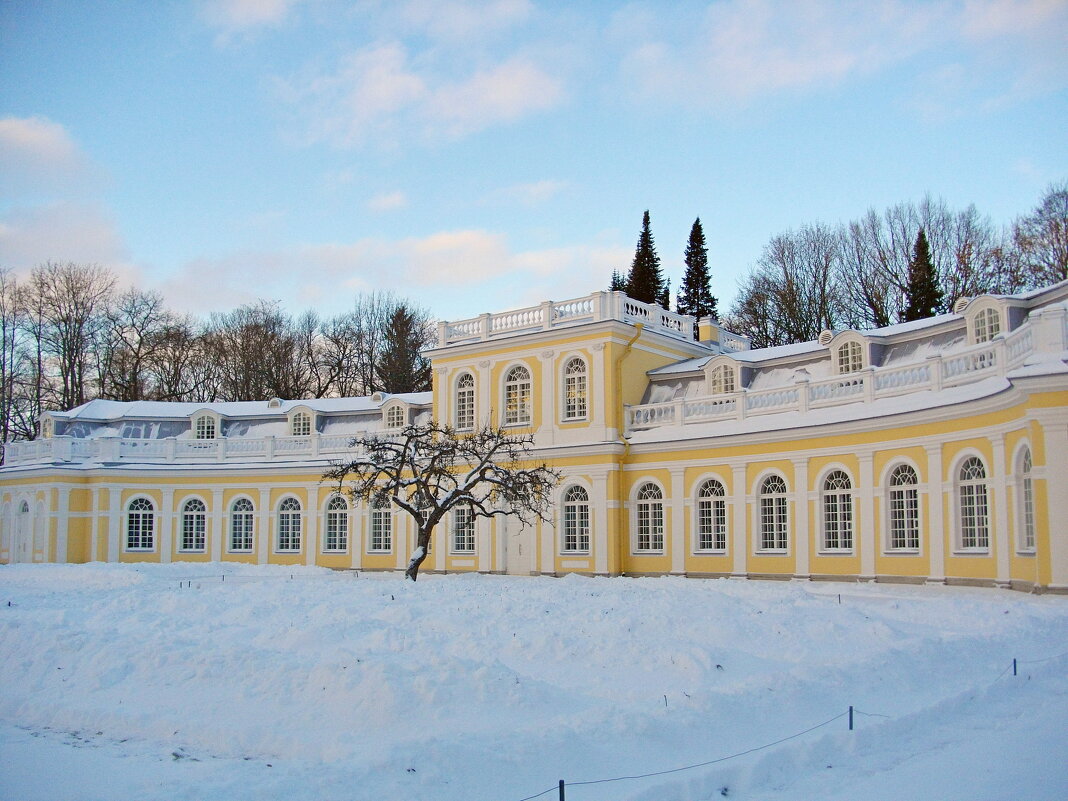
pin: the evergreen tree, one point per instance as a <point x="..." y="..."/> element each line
<point x="645" y="281"/>
<point x="619" y="283"/>
<point x="402" y="368"/>
<point x="923" y="295"/>
<point x="695" y="294"/>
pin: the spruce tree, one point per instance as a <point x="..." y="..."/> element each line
<point x="619" y="283"/>
<point x="402" y="368"/>
<point x="923" y="295"/>
<point x="645" y="281"/>
<point x="695" y="294"/>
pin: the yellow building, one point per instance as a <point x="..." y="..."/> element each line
<point x="921" y="452"/>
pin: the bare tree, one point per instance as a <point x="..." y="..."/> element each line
<point x="1042" y="238"/>
<point x="428" y="470"/>
<point x="136" y="324"/>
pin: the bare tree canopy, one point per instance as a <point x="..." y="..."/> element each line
<point x="428" y="470"/>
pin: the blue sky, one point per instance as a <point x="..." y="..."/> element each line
<point x="477" y="156"/>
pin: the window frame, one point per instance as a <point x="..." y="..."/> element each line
<point x="336" y="524"/>
<point x="394" y="416"/>
<point x="380" y="527"/>
<point x="464" y="402"/>
<point x="903" y="519"/>
<point x="248" y="517"/>
<point x="777" y="527"/>
<point x="521" y="412"/>
<point x="848" y="357"/>
<point x="986" y="324"/>
<point x="722" y="379"/>
<point x="711" y="518"/>
<point x="650" y="528"/>
<point x="301" y="422"/>
<point x="465" y="528"/>
<point x="1027" y="539"/>
<point x="972" y="525"/>
<point x="575" y="520"/>
<point x="194" y="526"/>
<point x="838" y="513"/>
<point x="286" y="519"/>
<point x="576" y="389"/>
<point x="143" y="514"/>
<point x="205" y="427"/>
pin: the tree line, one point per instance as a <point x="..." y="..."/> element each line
<point x="910" y="261"/>
<point x="68" y="335"/>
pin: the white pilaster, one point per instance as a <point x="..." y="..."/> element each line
<point x="547" y="432"/>
<point x="94" y="525"/>
<point x="802" y="543"/>
<point x="311" y="548"/>
<point x="737" y="542"/>
<point x="263" y="527"/>
<point x="218" y="529"/>
<point x="484" y="544"/>
<point x="866" y="530"/>
<point x="599" y="523"/>
<point x="62" y="524"/>
<point x="357" y="517"/>
<point x="166" y="525"/>
<point x="935" y="518"/>
<point x="1002" y="543"/>
<point x="678" y="524"/>
<point x="114" y="523"/>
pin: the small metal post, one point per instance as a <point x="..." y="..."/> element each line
<point x="1014" y="666"/>
<point x="851" y="718"/>
<point x="561" y="790"/>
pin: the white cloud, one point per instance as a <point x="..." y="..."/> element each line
<point x="38" y="156"/>
<point x="377" y="94"/>
<point x="60" y="232"/>
<point x="388" y="201"/>
<point x="461" y="19"/>
<point x="239" y="15"/>
<point x="532" y="193"/>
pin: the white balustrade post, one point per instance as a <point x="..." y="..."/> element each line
<point x="443" y="334"/>
<point x="627" y="417"/>
<point x="269" y="447"/>
<point x="802" y="393"/>
<point x="1001" y="356"/>
<point x="546" y="315"/>
<point x="935" y="363"/>
<point x="220" y="449"/>
<point x="868" y="377"/>
<point x="485" y="326"/>
<point x="677" y="411"/>
<point x="169" y="448"/>
<point x="315" y="444"/>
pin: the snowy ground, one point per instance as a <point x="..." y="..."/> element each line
<point x="119" y="682"/>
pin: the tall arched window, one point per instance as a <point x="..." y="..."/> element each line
<point x="140" y="525"/>
<point x="517" y="396"/>
<point x="289" y="525"/>
<point x="650" y="518"/>
<point x="837" y="512"/>
<point x="576" y="519"/>
<point x="465" y="402"/>
<point x="904" y="505"/>
<point x="974" y="510"/>
<point x="242" y="524"/>
<point x="337" y="525"/>
<point x="1026" y="500"/>
<point x="381" y="526"/>
<point x="301" y="424"/>
<point x="575" y="389"/>
<point x="204" y="428"/>
<point x="987" y="325"/>
<point x="773" y="514"/>
<point x="463" y="530"/>
<point x="721" y="380"/>
<point x="711" y="516"/>
<point x="194" y="525"/>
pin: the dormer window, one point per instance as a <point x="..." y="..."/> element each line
<point x="721" y="380"/>
<point x="850" y="357"/>
<point x="987" y="325"/>
<point x="300" y="424"/>
<point x="204" y="427"/>
<point x="395" y="416"/>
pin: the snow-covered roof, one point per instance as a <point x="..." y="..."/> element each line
<point x="109" y="410"/>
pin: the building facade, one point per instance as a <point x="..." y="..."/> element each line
<point x="921" y="452"/>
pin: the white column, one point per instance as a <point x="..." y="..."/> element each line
<point x="1002" y="543"/>
<point x="403" y="540"/>
<point x="357" y="516"/>
<point x="740" y="513"/>
<point x="440" y="536"/>
<point x="166" y="525"/>
<point x="62" y="524"/>
<point x="935" y="519"/>
<point x="595" y="386"/>
<point x="114" y="523"/>
<point x="263" y="528"/>
<point x="548" y="546"/>
<point x="1055" y="436"/>
<point x="312" y="545"/>
<point x="547" y="432"/>
<point x="802" y="544"/>
<point x="599" y="523"/>
<point x="866" y="531"/>
<point x="218" y="529"/>
<point x="94" y="524"/>
<point x="486" y="394"/>
<point x="678" y="518"/>
<point x="444" y="411"/>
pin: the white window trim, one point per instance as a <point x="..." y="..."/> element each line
<point x="346" y="533"/>
<point x="1019" y="491"/>
<point x="291" y="420"/>
<point x="277" y="538"/>
<point x="181" y="525"/>
<point x="385" y="512"/>
<point x="216" y="421"/>
<point x="956" y="510"/>
<point x="696" y="549"/>
<point x="758" y="534"/>
<point x="822" y="493"/>
<point x="562" y="526"/>
<point x="634" y="519"/>
<point x="473" y="390"/>
<point x="230" y="523"/>
<point x="389" y="410"/>
<point x="126" y="525"/>
<point x="529" y="421"/>
<point x="885" y="491"/>
<point x="729" y="367"/>
<point x="568" y="359"/>
<point x="452" y="532"/>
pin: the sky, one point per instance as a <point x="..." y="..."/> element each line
<point x="482" y="156"/>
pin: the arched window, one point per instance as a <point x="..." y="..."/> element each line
<point x="242" y="522"/>
<point x="576" y="520"/>
<point x="974" y="511"/>
<point x="837" y="512"/>
<point x="395" y="416"/>
<point x="463" y="530"/>
<point x="650" y="518"/>
<point x="140" y="525"/>
<point x="773" y="514"/>
<point x="381" y="526"/>
<point x="849" y="357"/>
<point x="1026" y="500"/>
<point x="904" y="508"/>
<point x="721" y="380"/>
<point x="517" y="396"/>
<point x="575" y="389"/>
<point x="301" y="424"/>
<point x="204" y="427"/>
<point x="465" y="402"/>
<point x="987" y="325"/>
<point x="337" y="525"/>
<point x="289" y="525"/>
<point x="194" y="525"/>
<point x="711" y="516"/>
